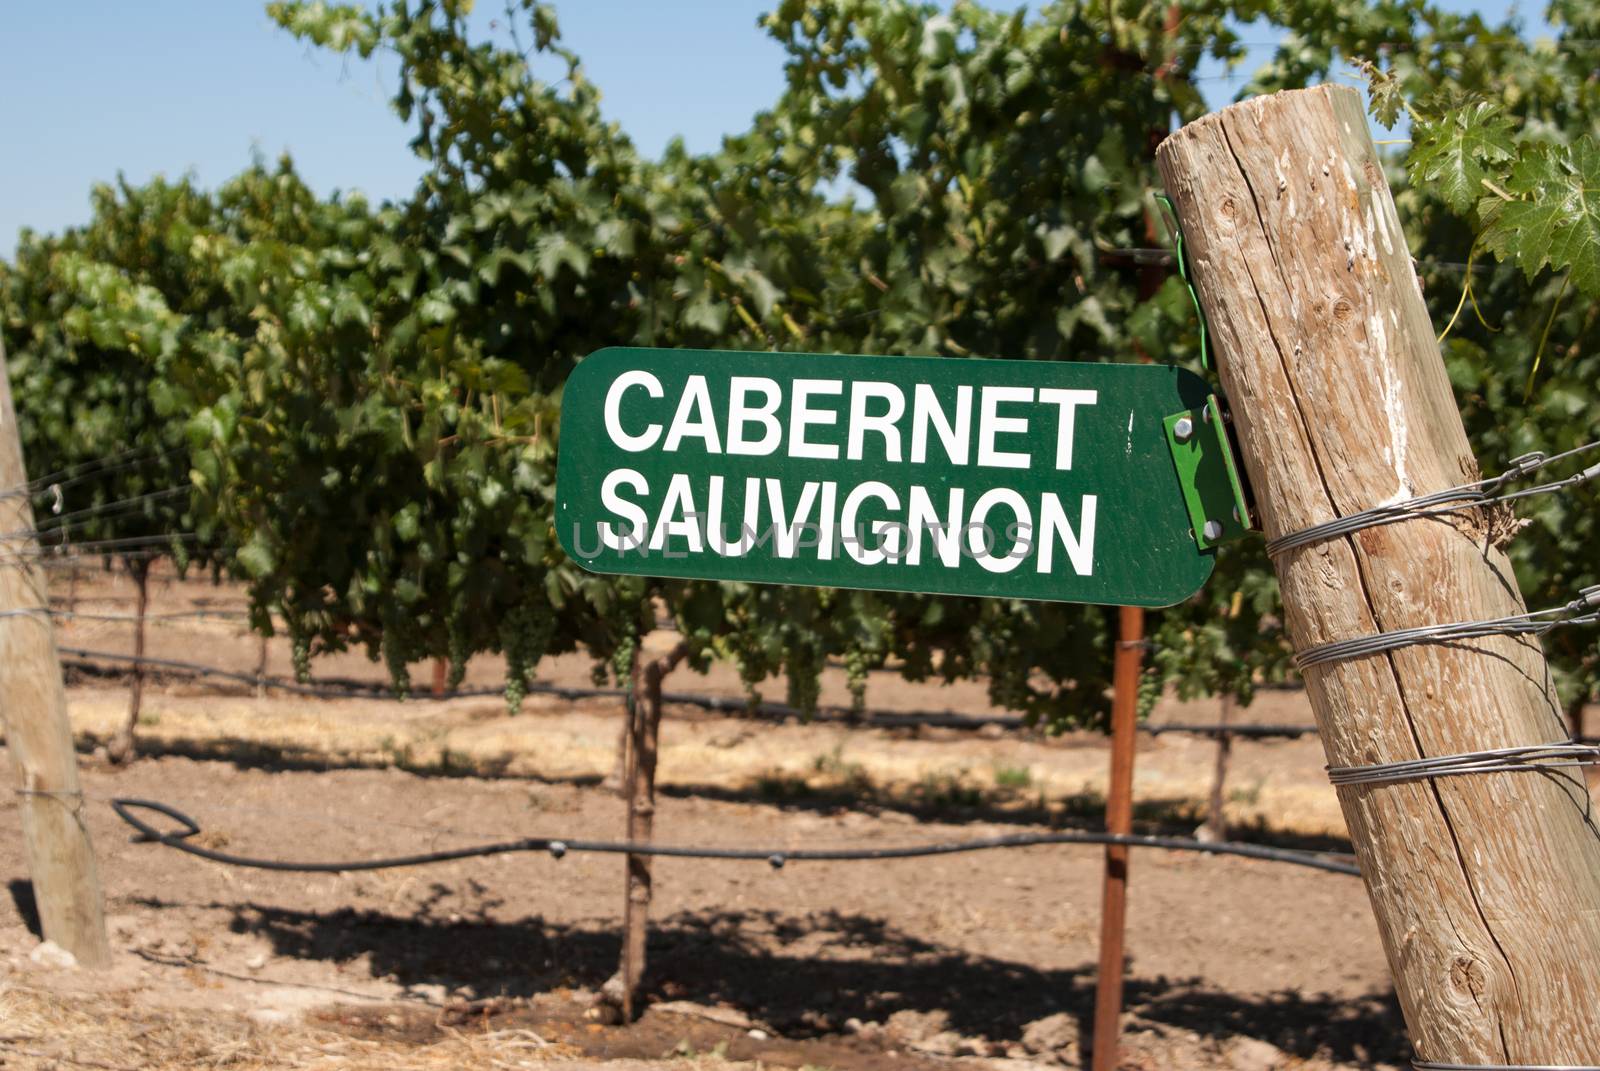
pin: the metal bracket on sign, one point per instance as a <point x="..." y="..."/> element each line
<point x="1208" y="472"/>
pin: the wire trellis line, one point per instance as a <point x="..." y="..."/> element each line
<point x="107" y="547"/>
<point x="88" y="470"/>
<point x="1450" y="500"/>
<point x="103" y="509"/>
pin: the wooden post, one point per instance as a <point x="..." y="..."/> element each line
<point x="441" y="675"/>
<point x="122" y="748"/>
<point x="261" y="665"/>
<point x="644" y="733"/>
<point x="1486" y="887"/>
<point x="1215" y="827"/>
<point x="1119" y="819"/>
<point x="33" y="703"/>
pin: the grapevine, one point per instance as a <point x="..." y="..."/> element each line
<point x="363" y="399"/>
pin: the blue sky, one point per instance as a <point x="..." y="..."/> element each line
<point x="174" y="86"/>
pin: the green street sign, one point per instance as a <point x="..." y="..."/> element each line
<point x="1014" y="479"/>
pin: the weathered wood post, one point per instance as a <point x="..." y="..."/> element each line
<point x="1215" y="827"/>
<point x="639" y="762"/>
<point x="33" y="703"/>
<point x="1486" y="887"/>
<point x="123" y="746"/>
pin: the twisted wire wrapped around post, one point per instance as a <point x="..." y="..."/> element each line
<point x="1439" y="1065"/>
<point x="1524" y="759"/>
<point x="1450" y="500"/>
<point x="1584" y="610"/>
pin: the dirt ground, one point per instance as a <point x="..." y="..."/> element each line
<point x="982" y="961"/>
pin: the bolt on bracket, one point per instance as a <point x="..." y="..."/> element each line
<point x="1209" y="473"/>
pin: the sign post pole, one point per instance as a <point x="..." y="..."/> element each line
<point x="1119" y="819"/>
<point x="1486" y="887"/>
<point x="1124" y="738"/>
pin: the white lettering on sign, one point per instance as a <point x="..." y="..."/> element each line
<point x="802" y="416"/>
<point x="1079" y="546"/>
<point x="872" y="522"/>
<point x="614" y="502"/>
<point x="1068" y="402"/>
<point x="953" y="435"/>
<point x="631" y="443"/>
<point x="943" y="532"/>
<point x="883" y="423"/>
<point x="849" y="520"/>
<point x="741" y="414"/>
<point x="991" y="424"/>
<point x="694" y="418"/>
<point x="817" y="432"/>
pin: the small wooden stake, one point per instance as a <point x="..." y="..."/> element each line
<point x="1215" y="827"/>
<point x="123" y="748"/>
<point x="1486" y="888"/>
<point x="33" y="703"/>
<point x="639" y="763"/>
<point x="1119" y="819"/>
<point x="261" y="665"/>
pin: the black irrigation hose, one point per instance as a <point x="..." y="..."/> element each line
<point x="776" y="711"/>
<point x="776" y="858"/>
<point x="1260" y="732"/>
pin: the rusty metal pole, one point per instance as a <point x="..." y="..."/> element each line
<point x="1124" y="728"/>
<point x="1119" y="819"/>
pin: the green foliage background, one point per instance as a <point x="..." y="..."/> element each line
<point x="362" y="399"/>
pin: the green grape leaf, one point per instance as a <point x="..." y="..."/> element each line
<point x="1461" y="148"/>
<point x="1385" y="98"/>
<point x="1556" y="219"/>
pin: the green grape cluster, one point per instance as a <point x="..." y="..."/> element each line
<point x="299" y="652"/>
<point x="857" y="663"/>
<point x="804" y="669"/>
<point x="401" y="644"/>
<point x="622" y="658"/>
<point x="526" y="630"/>
<point x="1009" y="687"/>
<point x="1151" y="686"/>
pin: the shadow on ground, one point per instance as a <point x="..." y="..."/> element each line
<point x="805" y="974"/>
<point x="27" y="907"/>
<point x="948" y="801"/>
